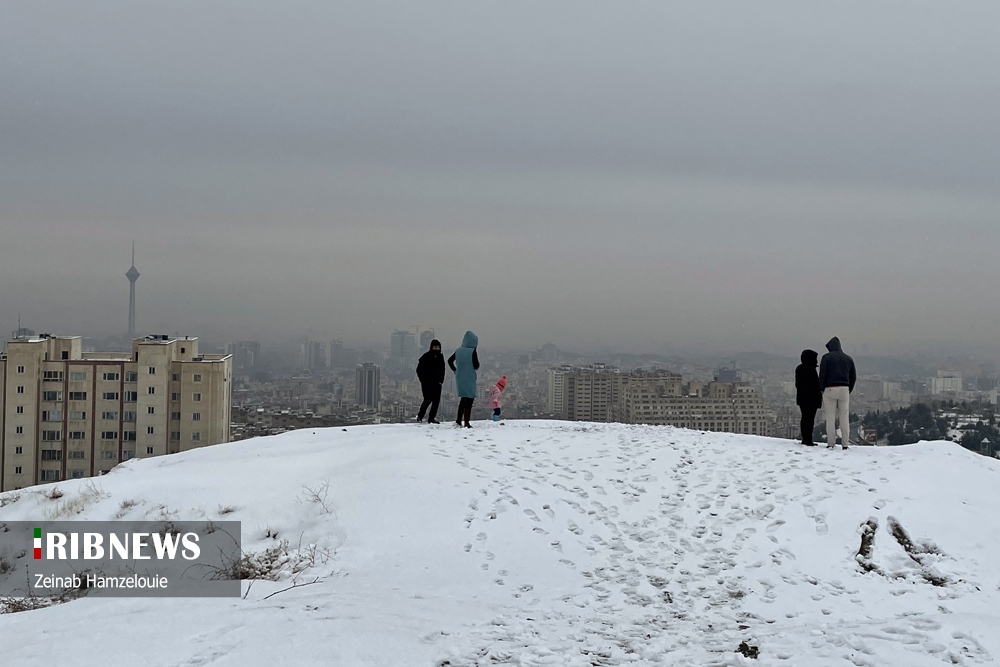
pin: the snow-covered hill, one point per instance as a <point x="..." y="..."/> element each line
<point x="549" y="543"/>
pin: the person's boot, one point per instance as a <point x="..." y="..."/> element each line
<point x="468" y="416"/>
<point x="461" y="411"/>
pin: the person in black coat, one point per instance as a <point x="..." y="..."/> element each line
<point x="807" y="394"/>
<point x="430" y="372"/>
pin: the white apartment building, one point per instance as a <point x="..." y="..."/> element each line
<point x="945" y="382"/>
<point x="556" y="403"/>
<point x="663" y="398"/>
<point x="68" y="414"/>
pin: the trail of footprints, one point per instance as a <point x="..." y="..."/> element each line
<point x="647" y="574"/>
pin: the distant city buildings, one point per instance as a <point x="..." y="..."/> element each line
<point x="245" y="354"/>
<point x="945" y="382"/>
<point x="71" y="414"/>
<point x="425" y="340"/>
<point x="402" y="348"/>
<point x="368" y="383"/>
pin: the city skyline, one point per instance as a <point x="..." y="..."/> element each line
<point x="740" y="178"/>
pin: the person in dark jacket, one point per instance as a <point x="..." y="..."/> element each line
<point x="430" y="372"/>
<point x="465" y="363"/>
<point x="836" y="380"/>
<point x="807" y="394"/>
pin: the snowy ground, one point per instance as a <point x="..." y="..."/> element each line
<point x="550" y="543"/>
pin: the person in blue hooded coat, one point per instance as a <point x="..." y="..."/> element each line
<point x="465" y="363"/>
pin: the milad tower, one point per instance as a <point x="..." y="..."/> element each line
<point x="132" y="274"/>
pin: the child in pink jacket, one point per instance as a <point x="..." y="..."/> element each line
<point x="495" y="392"/>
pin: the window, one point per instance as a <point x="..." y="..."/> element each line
<point x="152" y="370"/>
<point x="196" y="436"/>
<point x="151" y="410"/>
<point x="131" y="396"/>
<point x="52" y="376"/>
<point x="77" y="415"/>
<point x="110" y="396"/>
<point x="175" y="396"/>
<point x="152" y="390"/>
<point x="109" y="415"/>
<point x="109" y="455"/>
<point x="50" y="475"/>
<point x="77" y="474"/>
<point x="17" y="470"/>
<point x="149" y="430"/>
<point x="75" y="455"/>
<point x="149" y="450"/>
<point x="175" y="435"/>
<point x="51" y="436"/>
<point x="197" y="377"/>
<point x="110" y="376"/>
<point x="128" y="416"/>
<point x="51" y="415"/>
<point x="20" y="430"/>
<point x="128" y="436"/>
<point x="182" y="350"/>
<point x="78" y="376"/>
<point x="109" y="435"/>
<point x="77" y="395"/>
<point x="19" y="450"/>
<point x="175" y="416"/>
<point x="176" y="377"/>
<point x="196" y="397"/>
<point x="127" y="454"/>
<point x="77" y="435"/>
<point x="65" y="354"/>
<point x="20" y="369"/>
<point x="51" y="455"/>
<point x="131" y="376"/>
<point x="20" y="409"/>
<point x="196" y="416"/>
<point x="20" y="390"/>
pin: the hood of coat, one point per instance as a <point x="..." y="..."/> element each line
<point x="470" y="340"/>
<point x="834" y="345"/>
<point x="435" y="343"/>
<point x="810" y="357"/>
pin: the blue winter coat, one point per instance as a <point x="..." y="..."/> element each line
<point x="465" y="363"/>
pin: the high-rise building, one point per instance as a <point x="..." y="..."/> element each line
<point x="425" y="340"/>
<point x="556" y="403"/>
<point x="245" y="353"/>
<point x="367" y="379"/>
<point x="314" y="354"/>
<point x="402" y="347"/>
<point x="133" y="275"/>
<point x="590" y="393"/>
<point x="69" y="414"/>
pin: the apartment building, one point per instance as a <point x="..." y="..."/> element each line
<point x="68" y="414"/>
<point x="662" y="397"/>
<point x="591" y="393"/>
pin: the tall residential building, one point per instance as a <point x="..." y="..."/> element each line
<point x="591" y="393"/>
<point x="946" y="381"/>
<point x="402" y="347"/>
<point x="68" y="414"/>
<point x="425" y="340"/>
<point x="314" y="354"/>
<point x="367" y="379"/>
<point x="245" y="353"/>
<point x="556" y="403"/>
<point x="133" y="275"/>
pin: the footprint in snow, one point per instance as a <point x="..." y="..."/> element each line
<point x="531" y="515"/>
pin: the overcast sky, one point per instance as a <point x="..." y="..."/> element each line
<point x="744" y="174"/>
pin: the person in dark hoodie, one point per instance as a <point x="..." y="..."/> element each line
<point x="465" y="363"/>
<point x="430" y="372"/>
<point x="807" y="394"/>
<point x="836" y="380"/>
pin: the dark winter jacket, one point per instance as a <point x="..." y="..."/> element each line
<point x="465" y="363"/>
<point x="807" y="393"/>
<point x="836" y="369"/>
<point x="430" y="367"/>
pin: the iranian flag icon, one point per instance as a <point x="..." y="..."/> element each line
<point x="38" y="544"/>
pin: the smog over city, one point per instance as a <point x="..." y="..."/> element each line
<point x="722" y="176"/>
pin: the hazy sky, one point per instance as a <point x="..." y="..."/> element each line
<point x="747" y="174"/>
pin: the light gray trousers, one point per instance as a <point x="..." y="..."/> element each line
<point x="836" y="403"/>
